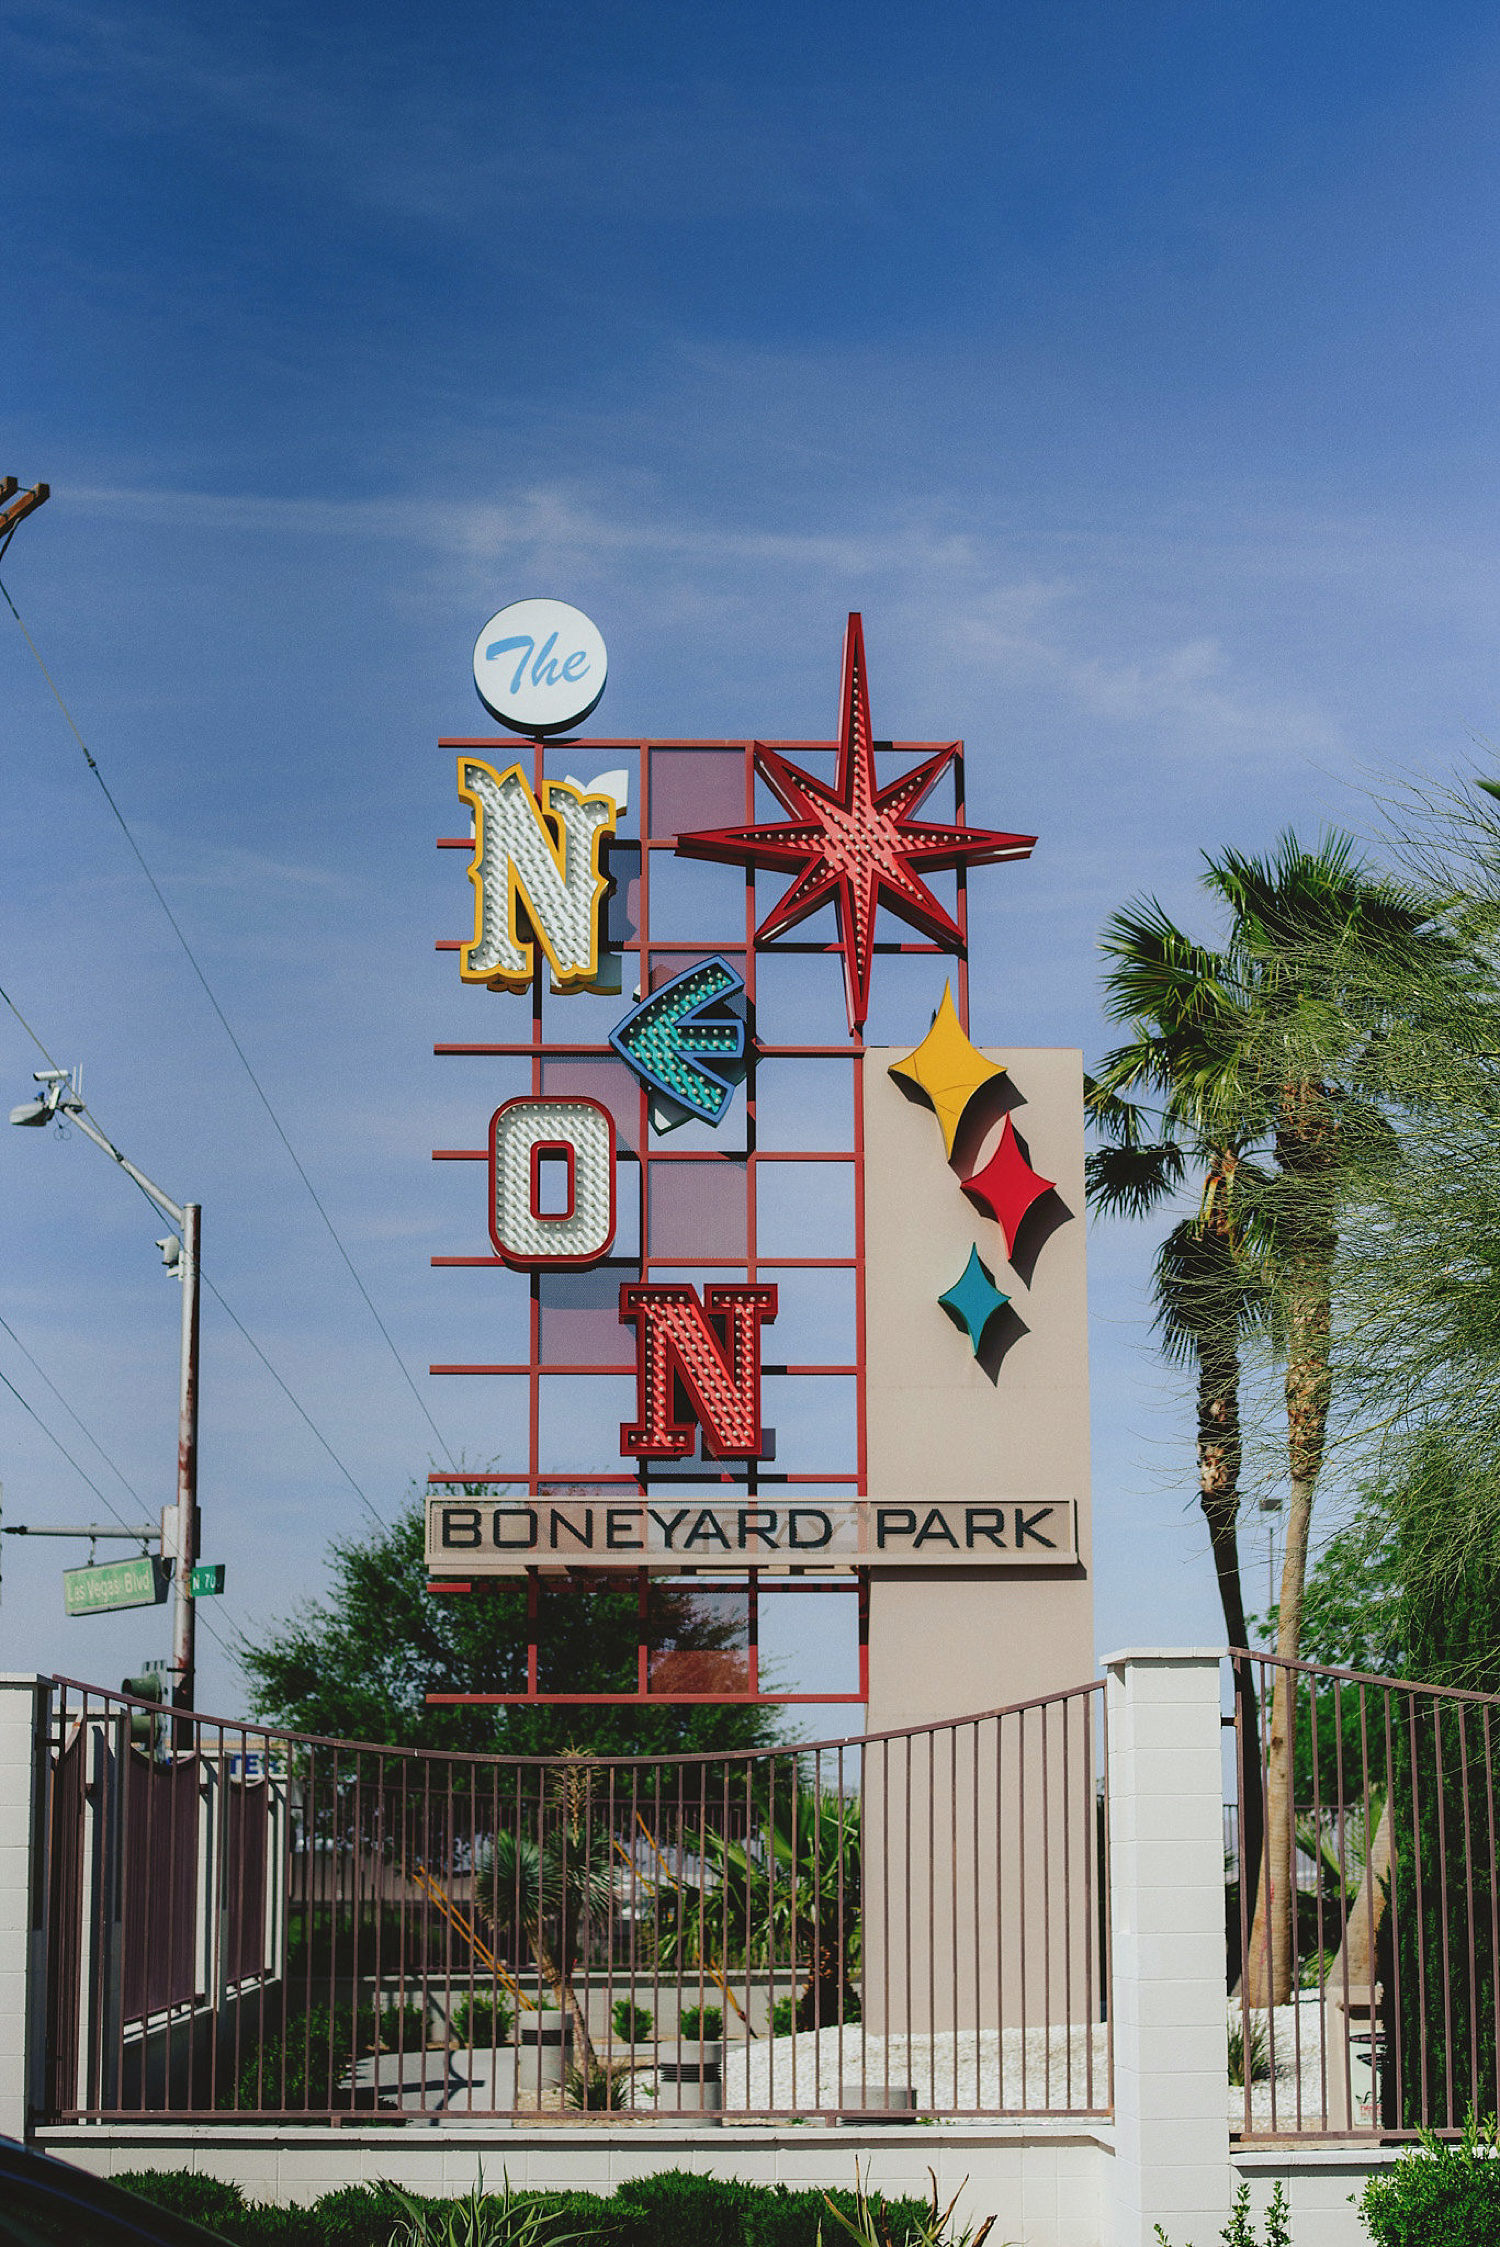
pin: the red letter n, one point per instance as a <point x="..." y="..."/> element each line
<point x="704" y="1355"/>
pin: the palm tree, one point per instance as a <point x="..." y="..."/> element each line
<point x="1208" y="1290"/>
<point x="1272" y="1046"/>
<point x="788" y="1895"/>
<point x="551" y="1892"/>
<point x="1210" y="1297"/>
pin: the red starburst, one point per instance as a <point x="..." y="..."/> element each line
<point x="856" y="844"/>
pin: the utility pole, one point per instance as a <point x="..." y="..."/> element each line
<point x="14" y="510"/>
<point x="61" y="1099"/>
<point x="184" y="1607"/>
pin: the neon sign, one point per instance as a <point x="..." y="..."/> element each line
<point x="573" y="1137"/>
<point x="680" y="1358"/>
<point x="544" y="856"/>
<point x="772" y="1270"/>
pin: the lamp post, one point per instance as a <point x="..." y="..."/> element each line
<point x="60" y="1097"/>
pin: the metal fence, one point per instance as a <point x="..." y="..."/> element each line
<point x="1365" y="1933"/>
<point x="255" y="1922"/>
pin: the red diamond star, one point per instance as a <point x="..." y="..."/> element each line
<point x="1007" y="1186"/>
<point x="856" y="843"/>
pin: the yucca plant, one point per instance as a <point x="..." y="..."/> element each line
<point x="551" y="1892"/>
<point x="477" y="2220"/>
<point x="870" y="2225"/>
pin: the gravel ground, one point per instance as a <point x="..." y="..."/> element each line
<point x="1037" y="2070"/>
<point x="1296" y="2048"/>
<point x="954" y="2072"/>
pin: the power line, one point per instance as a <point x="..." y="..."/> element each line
<point x="72" y="1415"/>
<point x="53" y="1438"/>
<point x="244" y="1059"/>
<point x="291" y="1400"/>
<point x="298" y="1407"/>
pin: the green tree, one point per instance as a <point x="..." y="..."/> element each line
<point x="359" y="1663"/>
<point x="1283" y="1032"/>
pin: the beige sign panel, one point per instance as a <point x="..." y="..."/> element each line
<point x="1011" y="1422"/>
<point x="1008" y="1426"/>
<point x="503" y="1536"/>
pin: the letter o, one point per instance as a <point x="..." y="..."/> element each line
<point x="522" y="1133"/>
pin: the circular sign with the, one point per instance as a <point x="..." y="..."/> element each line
<point x="540" y="666"/>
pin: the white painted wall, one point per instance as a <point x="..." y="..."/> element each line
<point x="1050" y="2188"/>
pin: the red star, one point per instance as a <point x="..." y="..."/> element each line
<point x="856" y="843"/>
<point x="1007" y="1186"/>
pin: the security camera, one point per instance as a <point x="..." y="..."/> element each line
<point x="171" y="1251"/>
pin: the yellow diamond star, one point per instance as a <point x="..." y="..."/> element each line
<point x="947" y="1068"/>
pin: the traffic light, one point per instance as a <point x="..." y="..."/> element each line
<point x="143" y="1725"/>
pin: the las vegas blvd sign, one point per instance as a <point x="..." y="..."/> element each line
<point x="606" y="1222"/>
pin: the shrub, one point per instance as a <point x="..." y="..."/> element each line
<point x="784" y="2013"/>
<point x="1439" y="2194"/>
<point x="677" y="2209"/>
<point x="1240" y="2232"/>
<point x="354" y="2216"/>
<point x="483" y="2020"/>
<point x="671" y="2209"/>
<point x="208" y="2201"/>
<point x="1260" y="2053"/>
<point x="701" y="2024"/>
<point x="632" y="2023"/>
<point x="315" y="2049"/>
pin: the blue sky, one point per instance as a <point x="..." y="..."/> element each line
<point x="1131" y="369"/>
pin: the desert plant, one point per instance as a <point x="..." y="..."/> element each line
<point x="550" y="1893"/>
<point x="700" y="2024"/>
<point x="790" y="1892"/>
<point x="477" y="2220"/>
<point x="1240" y="2231"/>
<point x="483" y="2019"/>
<point x="594" y="2086"/>
<point x="1260" y="2053"/>
<point x="870" y="2224"/>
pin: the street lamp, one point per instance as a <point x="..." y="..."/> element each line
<point x="61" y="1097"/>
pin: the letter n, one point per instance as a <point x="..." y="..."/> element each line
<point x="695" y="1362"/>
<point x="548" y="865"/>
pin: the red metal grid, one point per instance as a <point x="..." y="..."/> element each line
<point x="534" y="1479"/>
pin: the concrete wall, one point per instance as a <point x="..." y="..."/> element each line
<point x="1049" y="2188"/>
<point x="22" y="1861"/>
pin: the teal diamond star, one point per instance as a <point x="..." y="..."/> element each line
<point x="973" y="1299"/>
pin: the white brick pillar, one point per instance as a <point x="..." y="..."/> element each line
<point x="23" y="1702"/>
<point x="1166" y="1871"/>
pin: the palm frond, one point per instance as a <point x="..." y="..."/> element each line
<point x="1130" y="1181"/>
<point x="1209" y="1293"/>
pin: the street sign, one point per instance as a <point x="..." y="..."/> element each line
<point x="141" y="1582"/>
<point x="206" y="1578"/>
